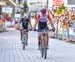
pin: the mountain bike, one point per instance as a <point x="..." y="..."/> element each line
<point x="45" y="48"/>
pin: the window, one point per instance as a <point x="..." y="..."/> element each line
<point x="71" y="2"/>
<point x="20" y="1"/>
<point x="14" y="0"/>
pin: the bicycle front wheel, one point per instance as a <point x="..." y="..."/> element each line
<point x="24" y="42"/>
<point x="45" y="49"/>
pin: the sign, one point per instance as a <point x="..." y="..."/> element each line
<point x="17" y="15"/>
<point x="72" y="32"/>
<point x="7" y="9"/>
<point x="57" y="2"/>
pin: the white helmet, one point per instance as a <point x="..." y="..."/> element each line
<point x="25" y="16"/>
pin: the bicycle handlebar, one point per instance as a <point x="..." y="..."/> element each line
<point x="53" y="29"/>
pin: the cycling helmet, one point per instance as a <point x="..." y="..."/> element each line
<point x="25" y="16"/>
<point x="43" y="11"/>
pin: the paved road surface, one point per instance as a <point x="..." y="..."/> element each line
<point x="11" y="49"/>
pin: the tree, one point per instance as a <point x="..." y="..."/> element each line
<point x="60" y="9"/>
<point x="25" y="8"/>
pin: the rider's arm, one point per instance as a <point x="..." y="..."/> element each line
<point x="37" y="20"/>
<point x="20" y="23"/>
<point x="50" y="20"/>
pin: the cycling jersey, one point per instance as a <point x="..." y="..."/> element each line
<point x="42" y="25"/>
<point x="42" y="22"/>
<point x="24" y="22"/>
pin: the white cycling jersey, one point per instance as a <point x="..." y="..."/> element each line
<point x="43" y="18"/>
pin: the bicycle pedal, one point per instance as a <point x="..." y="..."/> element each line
<point x="23" y="48"/>
<point x="22" y="42"/>
<point x="39" y="48"/>
<point x="45" y="58"/>
<point x="26" y="44"/>
<point x="42" y="56"/>
<point x="47" y="47"/>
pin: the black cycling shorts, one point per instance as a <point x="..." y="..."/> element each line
<point x="42" y="26"/>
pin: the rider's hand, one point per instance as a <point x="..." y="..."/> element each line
<point x="30" y="28"/>
<point x="53" y="29"/>
<point x="20" y="27"/>
<point x="33" y="29"/>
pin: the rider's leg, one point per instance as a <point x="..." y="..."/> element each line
<point x="42" y="40"/>
<point x="39" y="40"/>
<point x="21" y="34"/>
<point x="47" y="39"/>
<point x="27" y="38"/>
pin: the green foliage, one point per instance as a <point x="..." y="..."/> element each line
<point x="73" y="20"/>
<point x="25" y="6"/>
<point x="60" y="8"/>
<point x="63" y="7"/>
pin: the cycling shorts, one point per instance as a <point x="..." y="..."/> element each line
<point x="27" y="30"/>
<point x="42" y="29"/>
<point x="42" y="26"/>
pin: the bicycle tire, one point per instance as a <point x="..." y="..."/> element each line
<point x="42" y="52"/>
<point x="45" y="49"/>
<point x="41" y="49"/>
<point x="45" y="52"/>
<point x="24" y="41"/>
<point x="23" y="47"/>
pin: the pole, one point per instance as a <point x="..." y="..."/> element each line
<point x="47" y="4"/>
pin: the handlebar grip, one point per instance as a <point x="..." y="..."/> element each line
<point x="53" y="29"/>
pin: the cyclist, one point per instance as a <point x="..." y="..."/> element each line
<point x="42" y="20"/>
<point x="24" y="23"/>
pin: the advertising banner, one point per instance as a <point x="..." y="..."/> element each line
<point x="7" y="9"/>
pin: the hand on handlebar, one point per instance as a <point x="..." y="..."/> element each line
<point x="34" y="29"/>
<point x="53" y="29"/>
